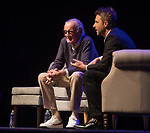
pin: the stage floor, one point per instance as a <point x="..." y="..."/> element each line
<point x="41" y="130"/>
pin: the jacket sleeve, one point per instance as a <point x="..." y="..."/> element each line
<point x="112" y="44"/>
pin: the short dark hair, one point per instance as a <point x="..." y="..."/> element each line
<point x="107" y="14"/>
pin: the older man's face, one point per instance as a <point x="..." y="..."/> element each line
<point x="71" y="33"/>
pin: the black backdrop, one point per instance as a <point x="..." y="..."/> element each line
<point x="30" y="32"/>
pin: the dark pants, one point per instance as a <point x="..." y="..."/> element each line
<point x="92" y="89"/>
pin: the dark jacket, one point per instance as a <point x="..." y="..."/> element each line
<point x="86" y="52"/>
<point x="116" y="40"/>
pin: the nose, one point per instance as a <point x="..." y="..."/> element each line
<point x="94" y="25"/>
<point x="66" y="34"/>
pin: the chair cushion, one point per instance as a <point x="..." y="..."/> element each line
<point x="26" y="90"/>
<point x="26" y="100"/>
<point x="63" y="105"/>
<point x="64" y="93"/>
<point x="61" y="92"/>
<point x="32" y="96"/>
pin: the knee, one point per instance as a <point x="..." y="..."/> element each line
<point x="41" y="77"/>
<point x="87" y="75"/>
<point x="78" y="76"/>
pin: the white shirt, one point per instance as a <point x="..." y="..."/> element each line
<point x="107" y="35"/>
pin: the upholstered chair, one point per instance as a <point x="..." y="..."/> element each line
<point x="126" y="90"/>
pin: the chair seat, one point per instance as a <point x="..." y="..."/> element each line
<point x="62" y="93"/>
<point x="32" y="96"/>
<point x="63" y="105"/>
<point x="62" y="96"/>
<point x="35" y="100"/>
<point x="26" y="90"/>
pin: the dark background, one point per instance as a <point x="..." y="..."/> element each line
<point x="30" y="32"/>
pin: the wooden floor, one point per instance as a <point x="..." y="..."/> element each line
<point x="41" y="130"/>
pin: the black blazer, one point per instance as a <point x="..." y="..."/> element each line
<point x="116" y="40"/>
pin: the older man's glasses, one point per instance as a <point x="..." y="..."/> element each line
<point x="68" y="31"/>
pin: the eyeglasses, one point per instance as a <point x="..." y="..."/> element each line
<point x="69" y="31"/>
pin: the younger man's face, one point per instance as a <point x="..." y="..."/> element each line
<point x="99" y="26"/>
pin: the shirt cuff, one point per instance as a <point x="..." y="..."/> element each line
<point x="86" y="67"/>
<point x="100" y="58"/>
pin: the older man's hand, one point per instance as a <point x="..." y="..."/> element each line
<point x="54" y="75"/>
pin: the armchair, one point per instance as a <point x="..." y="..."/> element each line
<point x="126" y="90"/>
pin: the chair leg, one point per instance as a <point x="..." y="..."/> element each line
<point x="105" y="121"/>
<point x="145" y="122"/>
<point x="86" y="116"/>
<point x="114" y="121"/>
<point x="15" y="115"/>
<point x="38" y="115"/>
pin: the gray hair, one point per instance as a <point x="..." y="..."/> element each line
<point x="78" y="22"/>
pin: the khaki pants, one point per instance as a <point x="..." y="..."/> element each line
<point x="75" y="82"/>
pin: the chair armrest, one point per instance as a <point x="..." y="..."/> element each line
<point x="131" y="58"/>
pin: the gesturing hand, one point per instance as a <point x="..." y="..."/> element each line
<point x="78" y="64"/>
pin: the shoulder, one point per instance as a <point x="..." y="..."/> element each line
<point x="118" y="34"/>
<point x="119" y="37"/>
<point x="63" y="40"/>
<point x="87" y="39"/>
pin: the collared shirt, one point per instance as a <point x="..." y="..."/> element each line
<point x="107" y="35"/>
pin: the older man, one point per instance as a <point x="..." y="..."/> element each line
<point x="98" y="69"/>
<point x="75" y="45"/>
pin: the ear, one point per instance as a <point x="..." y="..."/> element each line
<point x="105" y="23"/>
<point x="80" y="30"/>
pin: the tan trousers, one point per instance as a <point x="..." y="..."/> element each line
<point x="75" y="82"/>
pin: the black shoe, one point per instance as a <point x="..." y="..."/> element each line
<point x="91" y="124"/>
